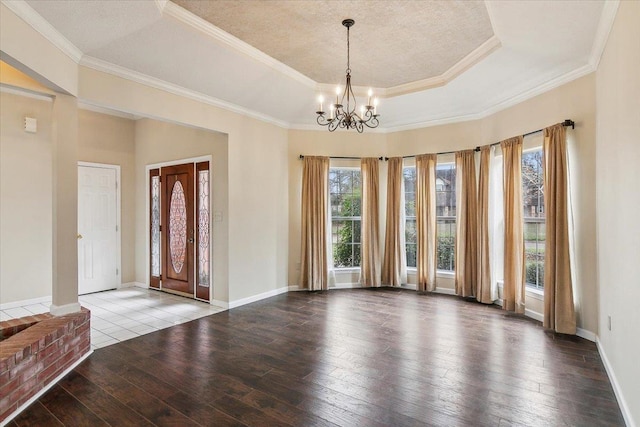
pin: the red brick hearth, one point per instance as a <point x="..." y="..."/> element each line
<point x="35" y="350"/>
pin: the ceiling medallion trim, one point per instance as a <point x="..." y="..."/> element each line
<point x="343" y="114"/>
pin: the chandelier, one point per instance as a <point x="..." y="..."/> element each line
<point x="343" y="113"/>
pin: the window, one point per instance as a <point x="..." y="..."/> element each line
<point x="445" y="187"/>
<point x="446" y="216"/>
<point x="534" y="221"/>
<point x="410" y="231"/>
<point x="346" y="201"/>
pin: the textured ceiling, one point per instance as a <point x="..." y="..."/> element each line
<point x="406" y="40"/>
<point x="542" y="44"/>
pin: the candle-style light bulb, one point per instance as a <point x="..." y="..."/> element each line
<point x="375" y="106"/>
<point x="333" y="112"/>
<point x="337" y="93"/>
<point x="320" y="101"/>
<point x="362" y="111"/>
<point x="370" y="93"/>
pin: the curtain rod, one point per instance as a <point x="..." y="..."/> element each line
<point x="566" y="123"/>
<point x="345" y="157"/>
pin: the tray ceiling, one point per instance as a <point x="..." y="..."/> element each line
<point x="421" y="40"/>
<point x="430" y="62"/>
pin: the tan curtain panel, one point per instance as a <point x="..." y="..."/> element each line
<point x="559" y="310"/>
<point x="370" y="259"/>
<point x="394" y="263"/>
<point x="484" y="285"/>
<point x="513" y="291"/>
<point x="466" y="270"/>
<point x="426" y="221"/>
<point x="314" y="263"/>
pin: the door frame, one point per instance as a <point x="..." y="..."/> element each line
<point x="118" y="214"/>
<point x="147" y="246"/>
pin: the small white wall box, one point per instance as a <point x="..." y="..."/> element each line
<point x="30" y="124"/>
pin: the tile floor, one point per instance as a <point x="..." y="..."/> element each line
<point x="126" y="313"/>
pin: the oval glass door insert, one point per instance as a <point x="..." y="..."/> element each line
<point x="177" y="227"/>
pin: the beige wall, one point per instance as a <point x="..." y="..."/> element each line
<point x="324" y="143"/>
<point x="160" y="142"/>
<point x="110" y="140"/>
<point x="257" y="176"/>
<point x="617" y="178"/>
<point x="25" y="199"/>
<point x="575" y="100"/>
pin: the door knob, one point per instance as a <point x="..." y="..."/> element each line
<point x="79" y="236"/>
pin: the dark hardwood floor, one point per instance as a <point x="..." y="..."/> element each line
<point x="384" y="357"/>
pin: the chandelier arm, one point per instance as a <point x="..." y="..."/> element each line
<point x="344" y="114"/>
<point x="372" y="123"/>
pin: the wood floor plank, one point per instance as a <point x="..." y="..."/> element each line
<point x="69" y="410"/>
<point x="37" y="415"/>
<point x="362" y="357"/>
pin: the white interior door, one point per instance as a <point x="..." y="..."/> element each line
<point x="97" y="229"/>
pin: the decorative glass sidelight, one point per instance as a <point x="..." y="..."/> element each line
<point x="203" y="228"/>
<point x="177" y="227"/>
<point x="155" y="226"/>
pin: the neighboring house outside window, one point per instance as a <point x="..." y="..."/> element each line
<point x="534" y="217"/>
<point x="445" y="187"/>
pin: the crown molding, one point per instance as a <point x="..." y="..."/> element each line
<point x="500" y="105"/>
<point x="42" y="26"/>
<point x="538" y="90"/>
<point x="125" y="73"/>
<point x="206" y="27"/>
<point x="608" y="16"/>
<point x="108" y="111"/>
<point x="477" y="55"/>
<point x="17" y="90"/>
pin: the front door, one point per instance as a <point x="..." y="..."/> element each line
<point x="97" y="229"/>
<point x="178" y="236"/>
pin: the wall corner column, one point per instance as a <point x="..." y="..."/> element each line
<point x="65" y="205"/>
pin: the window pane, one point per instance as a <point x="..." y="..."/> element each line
<point x="409" y="177"/>
<point x="203" y="228"/>
<point x="446" y="216"/>
<point x="534" y="221"/>
<point x="155" y="226"/>
<point x="346" y="201"/>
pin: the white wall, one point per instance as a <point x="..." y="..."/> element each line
<point x="617" y="179"/>
<point x="25" y="199"/>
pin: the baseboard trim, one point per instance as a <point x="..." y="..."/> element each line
<point x="220" y="303"/>
<point x="132" y="285"/>
<point x="140" y="285"/>
<point x="587" y="335"/>
<point x="31" y="301"/>
<point x="44" y="389"/>
<point x="258" y="297"/>
<point x="624" y="407"/>
<point x="534" y="315"/>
